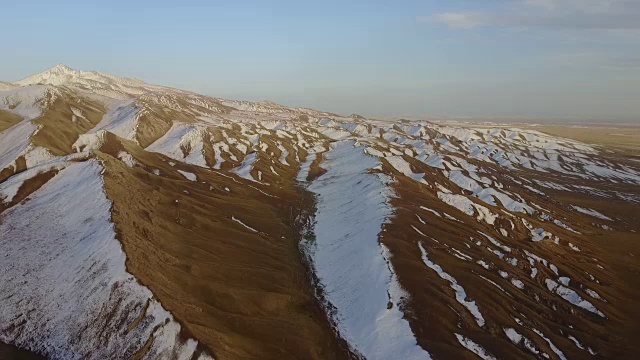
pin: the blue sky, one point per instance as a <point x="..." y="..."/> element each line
<point x="573" y="59"/>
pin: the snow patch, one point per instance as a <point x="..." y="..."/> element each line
<point x="591" y="212"/>
<point x="474" y="348"/>
<point x="188" y="175"/>
<point x="243" y="224"/>
<point x="350" y="263"/>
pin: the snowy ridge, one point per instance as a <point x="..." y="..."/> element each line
<point x="64" y="75"/>
<point x="27" y="101"/>
<point x="183" y="142"/>
<point x="353" y="269"/>
<point x="120" y="119"/>
<point x="68" y="281"/>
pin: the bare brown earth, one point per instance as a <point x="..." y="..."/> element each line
<point x="8" y="119"/>
<point x="315" y="170"/>
<point x="243" y="294"/>
<point x="619" y="251"/>
<point x="435" y="316"/>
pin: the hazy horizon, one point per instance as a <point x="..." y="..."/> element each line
<point x="539" y="60"/>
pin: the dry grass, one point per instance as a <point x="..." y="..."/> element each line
<point x="624" y="139"/>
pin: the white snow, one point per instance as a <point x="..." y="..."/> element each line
<point x="487" y="195"/>
<point x="516" y="338"/>
<point x="494" y="284"/>
<point x="534" y="272"/>
<point x="431" y="211"/>
<point x="496" y="243"/>
<point x="9" y="188"/>
<point x="537" y="234"/>
<point x="218" y="149"/>
<point x="467" y="206"/>
<point x="513" y="335"/>
<point x="434" y="160"/>
<point x="243" y="224"/>
<point x="283" y="154"/>
<point x="571" y="296"/>
<point x="27" y="102"/>
<point x="594" y="294"/>
<point x="517" y="283"/>
<point x="591" y="212"/>
<point x="14" y="142"/>
<point x="553" y="347"/>
<point x="188" y="175"/>
<point x="90" y="142"/>
<point x="244" y="170"/>
<point x="575" y="341"/>
<point x="498" y="253"/>
<point x="37" y="155"/>
<point x="305" y="167"/>
<point x="402" y="166"/>
<point x="121" y="119"/>
<point x="181" y="139"/>
<point x="351" y="265"/>
<point x="474" y="348"/>
<point x="127" y="158"/>
<point x="460" y="202"/>
<point x="418" y="231"/>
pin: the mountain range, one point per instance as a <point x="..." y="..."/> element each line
<point x="141" y="221"/>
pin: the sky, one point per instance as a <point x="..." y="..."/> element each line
<point x="565" y="59"/>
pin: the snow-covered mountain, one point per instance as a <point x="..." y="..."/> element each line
<point x="141" y="221"/>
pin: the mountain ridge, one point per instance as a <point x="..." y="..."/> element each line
<point x="199" y="227"/>
<point x="61" y="74"/>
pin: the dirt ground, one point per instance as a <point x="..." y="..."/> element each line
<point x="243" y="294"/>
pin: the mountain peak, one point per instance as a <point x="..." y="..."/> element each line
<point x="61" y="68"/>
<point x="61" y="74"/>
<point x="54" y="76"/>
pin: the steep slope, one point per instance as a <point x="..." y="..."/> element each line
<point x="74" y="276"/>
<point x="211" y="227"/>
<point x="222" y="256"/>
